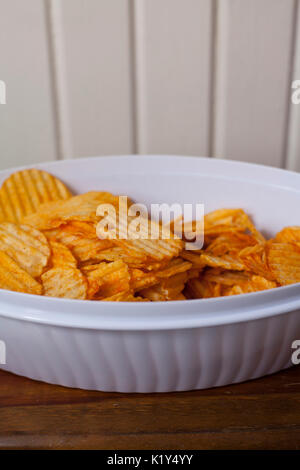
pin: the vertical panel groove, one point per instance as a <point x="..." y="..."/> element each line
<point x="285" y="157"/>
<point x="292" y="161"/>
<point x="252" y="73"/>
<point x="27" y="122"/>
<point x="57" y="57"/>
<point x="213" y="74"/>
<point x="219" y="77"/>
<point x="139" y="72"/>
<point x="133" y="75"/>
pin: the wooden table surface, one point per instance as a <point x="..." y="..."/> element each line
<point x="260" y="414"/>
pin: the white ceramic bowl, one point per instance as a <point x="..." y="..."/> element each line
<point x="172" y="346"/>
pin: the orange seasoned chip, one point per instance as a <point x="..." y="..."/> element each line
<point x="23" y="192"/>
<point x="202" y="289"/>
<point x="82" y="241"/>
<point x="227" y="278"/>
<point x="140" y="237"/>
<point x="225" y="262"/>
<point x="115" y="253"/>
<point x="229" y="220"/>
<point x="167" y="289"/>
<point x="194" y="258"/>
<point x="254" y="258"/>
<point x="180" y="297"/>
<point x="255" y="284"/>
<point x="284" y="262"/>
<point x="3" y="216"/>
<point x="54" y="214"/>
<point x="140" y="279"/>
<point x="154" y="294"/>
<point x="230" y="243"/>
<point x="64" y="282"/>
<point x="124" y="297"/>
<point x="13" y="277"/>
<point x="81" y="208"/>
<point x="101" y="197"/>
<point x="107" y="279"/>
<point x="26" y="245"/>
<point x="288" y="235"/>
<point x="175" y="266"/>
<point x="222" y="217"/>
<point x="151" y="249"/>
<point x="81" y="249"/>
<point x="61" y="255"/>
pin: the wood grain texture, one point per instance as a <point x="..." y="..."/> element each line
<point x="260" y="414"/>
<point x="27" y="127"/>
<point x="174" y="75"/>
<point x="254" y="59"/>
<point x="97" y="63"/>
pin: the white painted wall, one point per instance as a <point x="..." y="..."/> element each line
<point x="196" y="77"/>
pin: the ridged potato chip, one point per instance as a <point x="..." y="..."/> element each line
<point x="222" y="217"/>
<point x="115" y="253"/>
<point x="288" y="235"/>
<point x="137" y="240"/>
<point x="175" y="266"/>
<point x="202" y="289"/>
<point x="107" y="279"/>
<point x="255" y="260"/>
<point x="23" y="192"/>
<point x="142" y="279"/>
<point x="229" y="221"/>
<point x="26" y="245"/>
<point x="225" y="262"/>
<point x="255" y="284"/>
<point x="81" y="240"/>
<point x="194" y="258"/>
<point x="81" y="208"/>
<point x="61" y="256"/>
<point x="180" y="297"/>
<point x="54" y="214"/>
<point x="13" y="277"/>
<point x="65" y="282"/>
<point x="168" y="289"/>
<point x="226" y="278"/>
<point x="124" y="297"/>
<point x="230" y="244"/>
<point x="284" y="262"/>
<point x="2" y="211"/>
<point x="151" y="249"/>
<point x="80" y="249"/>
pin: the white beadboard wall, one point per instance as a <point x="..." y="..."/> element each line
<point x="194" y="77"/>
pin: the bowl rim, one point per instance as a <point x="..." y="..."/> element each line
<point x="158" y="315"/>
<point x="109" y="315"/>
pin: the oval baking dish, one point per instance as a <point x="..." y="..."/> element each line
<point x="162" y="346"/>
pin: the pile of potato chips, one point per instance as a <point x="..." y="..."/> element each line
<point x="49" y="246"/>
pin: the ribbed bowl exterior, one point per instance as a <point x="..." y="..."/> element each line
<point x="150" y="361"/>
